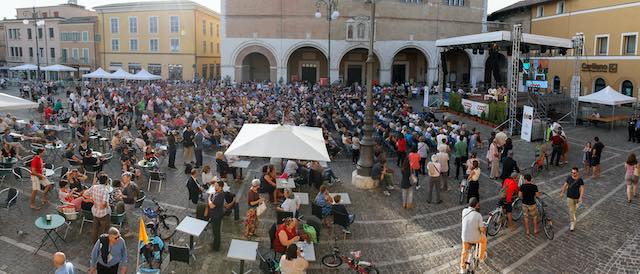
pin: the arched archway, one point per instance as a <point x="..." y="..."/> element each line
<point x="353" y="67"/>
<point x="255" y="63"/>
<point x="306" y="64"/>
<point x="409" y="65"/>
<point x="599" y="84"/>
<point x="457" y="69"/>
<point x="626" y="88"/>
<point x="495" y="69"/>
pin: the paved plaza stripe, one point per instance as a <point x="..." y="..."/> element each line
<point x="564" y="230"/>
<point x="455" y="263"/>
<point x="41" y="253"/>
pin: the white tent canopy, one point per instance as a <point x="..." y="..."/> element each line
<point x="504" y="36"/>
<point x="280" y="141"/>
<point x="98" y="73"/>
<point x="145" y="76"/>
<point x="58" y="68"/>
<point x="607" y="96"/>
<point x="121" y="74"/>
<point x="8" y="102"/>
<point x="25" y="67"/>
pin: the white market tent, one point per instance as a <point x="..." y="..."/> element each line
<point x="608" y="96"/>
<point x="504" y="36"/>
<point x="58" y="68"/>
<point x="8" y="102"/>
<point x="121" y="74"/>
<point x="98" y="73"/>
<point x="25" y="67"/>
<point x="145" y="76"/>
<point x="280" y="141"/>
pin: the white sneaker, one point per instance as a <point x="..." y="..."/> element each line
<point x="417" y="187"/>
<point x="386" y="193"/>
<point x="572" y="227"/>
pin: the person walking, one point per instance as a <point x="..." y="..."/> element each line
<point x="253" y="201"/>
<point x="631" y="129"/>
<point x="38" y="180"/>
<point x="187" y="144"/>
<point x="574" y="187"/>
<point x="528" y="194"/>
<point x="423" y="150"/>
<point x="630" y="178"/>
<point x="61" y="264"/>
<point x="173" y="148"/>
<point x="556" y="145"/>
<point x="433" y="168"/>
<point x="99" y="194"/>
<point x="401" y="148"/>
<point x="198" y="142"/>
<point x="461" y="149"/>
<point x="473" y="232"/>
<point x="442" y="158"/>
<point x="595" y="157"/>
<point x="355" y="148"/>
<point x="494" y="158"/>
<point x="414" y="164"/>
<point x="473" y="181"/>
<point x="586" y="158"/>
<point x="405" y="185"/>
<point x="109" y="254"/>
<point x="216" y="212"/>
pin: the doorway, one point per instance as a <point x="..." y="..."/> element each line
<point x="309" y="73"/>
<point x="354" y="74"/>
<point x="399" y="73"/>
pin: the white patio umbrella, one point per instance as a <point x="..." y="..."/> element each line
<point x="280" y="141"/>
<point x="25" y="67"/>
<point x="57" y="68"/>
<point x="121" y="74"/>
<point x="8" y="102"/>
<point x="98" y="73"/>
<point x="145" y="76"/>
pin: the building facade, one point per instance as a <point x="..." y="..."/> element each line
<point x="178" y="40"/>
<point x="79" y="42"/>
<point x="21" y="33"/>
<point x="610" y="29"/>
<point x="281" y="40"/>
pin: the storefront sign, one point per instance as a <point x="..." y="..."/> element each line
<point x="537" y="84"/>
<point x="593" y="67"/>
<point x="475" y="108"/>
<point x="527" y="123"/>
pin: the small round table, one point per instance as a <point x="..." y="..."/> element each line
<point x="49" y="228"/>
<point x="8" y="162"/>
<point x="48" y="172"/>
<point x="147" y="164"/>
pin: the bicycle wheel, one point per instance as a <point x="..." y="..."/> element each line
<point x="516" y="212"/>
<point x="371" y="270"/>
<point x="548" y="228"/>
<point x="331" y="260"/>
<point x="167" y="226"/>
<point x="494" y="225"/>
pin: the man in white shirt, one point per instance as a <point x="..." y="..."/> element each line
<point x="290" y="204"/>
<point x="291" y="167"/>
<point x="473" y="231"/>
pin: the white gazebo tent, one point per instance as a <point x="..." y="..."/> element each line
<point x="121" y="74"/>
<point x="98" y="74"/>
<point x="608" y="96"/>
<point x="280" y="141"/>
<point x="8" y="102"/>
<point x="144" y="75"/>
<point x="58" y="68"/>
<point x="26" y="68"/>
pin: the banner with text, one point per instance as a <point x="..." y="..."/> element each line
<point x="475" y="108"/>
<point x="527" y="123"/>
<point x="425" y="101"/>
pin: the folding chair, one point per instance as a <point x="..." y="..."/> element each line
<point x="156" y="176"/>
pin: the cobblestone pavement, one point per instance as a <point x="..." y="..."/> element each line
<point x="423" y="240"/>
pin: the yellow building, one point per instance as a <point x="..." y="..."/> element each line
<point x="178" y="40"/>
<point x="610" y="29"/>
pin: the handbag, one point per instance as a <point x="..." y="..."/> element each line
<point x="261" y="209"/>
<point x="636" y="170"/>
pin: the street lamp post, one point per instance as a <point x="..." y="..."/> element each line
<point x="366" y="144"/>
<point x="332" y="14"/>
<point x="36" y="23"/>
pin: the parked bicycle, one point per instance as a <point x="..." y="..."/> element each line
<point x="498" y="216"/>
<point x="335" y="259"/>
<point x="162" y="224"/>
<point x="545" y="219"/>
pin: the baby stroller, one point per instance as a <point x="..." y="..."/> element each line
<point x="151" y="255"/>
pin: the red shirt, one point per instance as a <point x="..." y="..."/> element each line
<point x="512" y="187"/>
<point x="414" y="160"/>
<point x="402" y="145"/>
<point x="36" y="164"/>
<point x="556" y="140"/>
<point x="277" y="246"/>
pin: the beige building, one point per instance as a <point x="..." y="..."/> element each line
<point x="177" y="40"/>
<point x="610" y="29"/>
<point x="21" y="38"/>
<point x="78" y="45"/>
<point x="284" y="41"/>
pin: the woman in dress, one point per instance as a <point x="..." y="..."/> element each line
<point x="629" y="176"/>
<point x="253" y="199"/>
<point x="586" y="157"/>
<point x="473" y="178"/>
